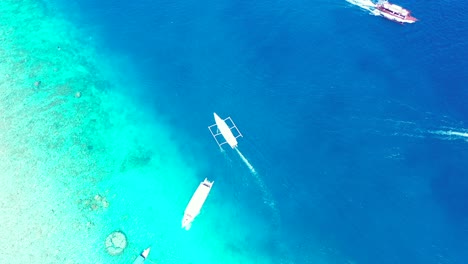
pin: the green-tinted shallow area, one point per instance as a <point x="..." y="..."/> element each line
<point x="79" y="160"/>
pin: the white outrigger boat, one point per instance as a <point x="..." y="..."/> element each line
<point x="142" y="257"/>
<point x="224" y="130"/>
<point x="194" y="206"/>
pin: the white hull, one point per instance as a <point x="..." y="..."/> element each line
<point x="394" y="12"/>
<point x="397" y="19"/>
<point x="142" y="257"/>
<point x="145" y="253"/>
<point x="225" y="131"/>
<point x="196" y="203"/>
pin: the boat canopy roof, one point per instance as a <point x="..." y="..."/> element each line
<point x="395" y="8"/>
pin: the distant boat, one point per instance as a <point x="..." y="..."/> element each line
<point x="194" y="206"/>
<point x="142" y="257"/>
<point x="394" y="12"/>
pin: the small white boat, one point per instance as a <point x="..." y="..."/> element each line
<point x="194" y="206"/>
<point x="225" y="131"/>
<point x="142" y="257"/>
<point x="394" y="12"/>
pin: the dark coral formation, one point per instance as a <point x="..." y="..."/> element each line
<point x="95" y="203"/>
<point x="116" y="242"/>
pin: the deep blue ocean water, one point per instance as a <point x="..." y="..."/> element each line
<point x="346" y="116"/>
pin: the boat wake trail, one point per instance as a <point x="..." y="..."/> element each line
<point x="451" y="134"/>
<point x="246" y="161"/>
<point x="446" y="129"/>
<point x="364" y="4"/>
<point x="267" y="197"/>
<point x="401" y="128"/>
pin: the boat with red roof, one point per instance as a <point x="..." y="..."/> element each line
<point x="394" y="12"/>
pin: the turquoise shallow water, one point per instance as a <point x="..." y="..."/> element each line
<point x="80" y="160"/>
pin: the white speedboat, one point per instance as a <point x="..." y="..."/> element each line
<point x="196" y="203"/>
<point x="142" y="257"/>
<point x="394" y="12"/>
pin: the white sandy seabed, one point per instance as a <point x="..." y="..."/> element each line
<point x="69" y="149"/>
<point x="61" y="134"/>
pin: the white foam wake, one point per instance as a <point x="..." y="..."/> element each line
<point x="364" y="4"/>
<point x="246" y="161"/>
<point x="267" y="198"/>
<point x="451" y="135"/>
